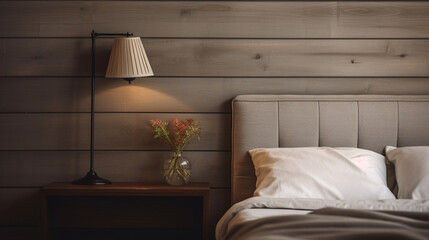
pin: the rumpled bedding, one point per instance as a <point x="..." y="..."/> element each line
<point x="330" y="219"/>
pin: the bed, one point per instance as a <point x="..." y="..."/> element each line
<point x="327" y="123"/>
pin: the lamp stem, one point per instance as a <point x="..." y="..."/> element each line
<point x="91" y="177"/>
<point x="93" y="35"/>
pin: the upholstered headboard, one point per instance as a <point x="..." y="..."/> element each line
<point x="364" y="121"/>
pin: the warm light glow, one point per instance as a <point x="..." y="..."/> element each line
<point x="137" y="97"/>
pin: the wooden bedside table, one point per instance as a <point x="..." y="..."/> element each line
<point x="126" y="211"/>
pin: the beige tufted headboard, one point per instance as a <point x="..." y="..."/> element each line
<point x="364" y="121"/>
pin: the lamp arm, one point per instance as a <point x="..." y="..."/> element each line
<point x="111" y="34"/>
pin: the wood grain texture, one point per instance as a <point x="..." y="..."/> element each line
<point x="208" y="57"/>
<point x="277" y="19"/>
<point x="379" y="19"/>
<point x="125" y="131"/>
<point x="51" y="57"/>
<point x="132" y="131"/>
<point x="39" y="168"/>
<point x="44" y="131"/>
<point x="126" y="189"/>
<point x="227" y="57"/>
<point x="215" y="94"/>
<point x="68" y="94"/>
<point x="2" y="57"/>
<point x="44" y="94"/>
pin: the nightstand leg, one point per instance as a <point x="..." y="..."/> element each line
<point x="45" y="227"/>
<point x="206" y="216"/>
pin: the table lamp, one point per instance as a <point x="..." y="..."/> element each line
<point x="128" y="60"/>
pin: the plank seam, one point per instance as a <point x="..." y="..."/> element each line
<point x="220" y="113"/>
<point x="39" y="187"/>
<point x="222" y="77"/>
<point x="234" y="38"/>
<point x="107" y="150"/>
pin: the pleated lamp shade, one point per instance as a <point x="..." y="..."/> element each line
<point x="128" y="59"/>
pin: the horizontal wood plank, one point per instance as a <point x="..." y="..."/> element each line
<point x="254" y="19"/>
<point x="44" y="131"/>
<point x="382" y="19"/>
<point x="21" y="206"/>
<point x="208" y="57"/>
<point x="125" y="131"/>
<point x="51" y="57"/>
<point x="39" y="168"/>
<point x="183" y="19"/>
<point x="68" y="94"/>
<point x="133" y="131"/>
<point x="46" y="94"/>
<point x="226" y="57"/>
<point x="215" y="94"/>
<point x="2" y="57"/>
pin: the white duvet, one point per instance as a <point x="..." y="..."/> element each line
<point x="230" y="218"/>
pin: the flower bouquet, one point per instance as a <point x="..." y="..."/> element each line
<point x="177" y="170"/>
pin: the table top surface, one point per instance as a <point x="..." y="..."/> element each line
<point x="126" y="187"/>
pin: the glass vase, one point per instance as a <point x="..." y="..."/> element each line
<point x="177" y="170"/>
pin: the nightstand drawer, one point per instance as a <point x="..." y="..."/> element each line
<point x="125" y="211"/>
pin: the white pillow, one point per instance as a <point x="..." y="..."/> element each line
<point x="412" y="171"/>
<point x="324" y="173"/>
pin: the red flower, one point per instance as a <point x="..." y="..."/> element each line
<point x="182" y="132"/>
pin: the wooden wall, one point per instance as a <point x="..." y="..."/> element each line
<point x="203" y="54"/>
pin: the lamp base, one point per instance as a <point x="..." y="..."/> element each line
<point x="91" y="178"/>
